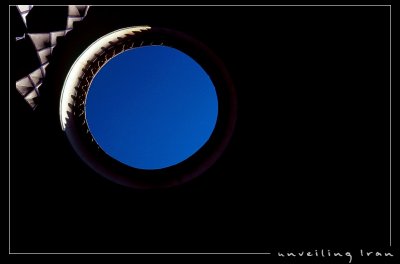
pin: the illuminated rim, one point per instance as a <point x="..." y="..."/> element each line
<point x="78" y="81"/>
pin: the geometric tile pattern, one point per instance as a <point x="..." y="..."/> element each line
<point x="44" y="43"/>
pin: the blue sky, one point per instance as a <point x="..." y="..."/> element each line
<point x="151" y="107"/>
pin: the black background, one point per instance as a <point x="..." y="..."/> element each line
<point x="307" y="167"/>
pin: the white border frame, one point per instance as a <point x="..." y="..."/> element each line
<point x="261" y="253"/>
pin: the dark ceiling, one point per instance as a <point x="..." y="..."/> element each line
<point x="308" y="164"/>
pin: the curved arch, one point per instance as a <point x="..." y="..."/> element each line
<point x="73" y="99"/>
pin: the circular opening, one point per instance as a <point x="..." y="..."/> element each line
<point x="151" y="107"/>
<point x="205" y="114"/>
